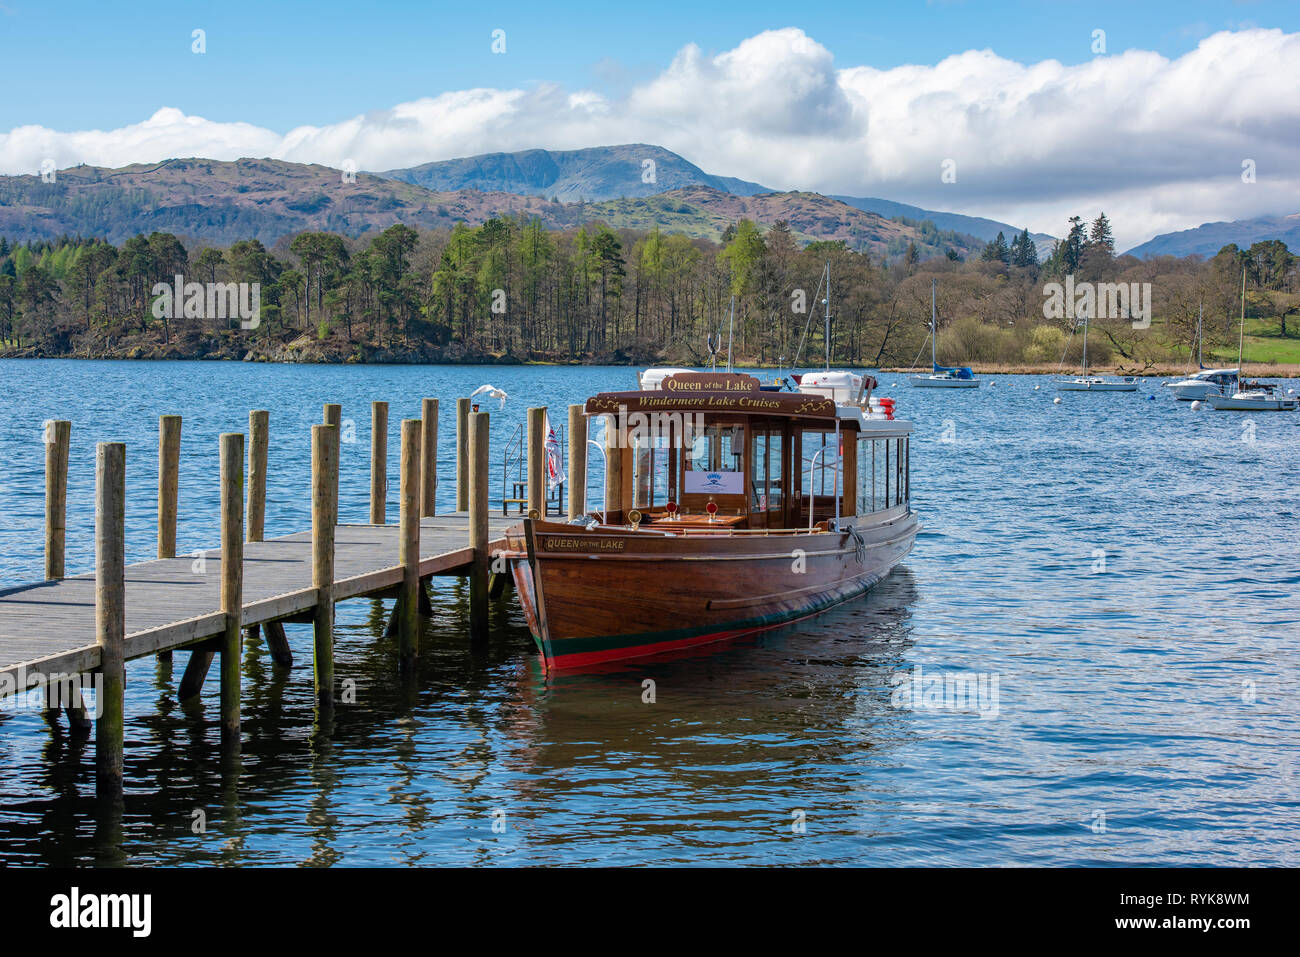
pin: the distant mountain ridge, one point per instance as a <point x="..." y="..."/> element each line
<point x="601" y="173"/>
<point x="222" y="202"/>
<point x="1208" y="238"/>
<point x="591" y="175"/>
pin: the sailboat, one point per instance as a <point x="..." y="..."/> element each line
<point x="1254" y="396"/>
<point x="1095" y="383"/>
<point x="943" y="377"/>
<point x="1206" y="382"/>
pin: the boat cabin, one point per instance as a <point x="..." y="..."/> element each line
<point x="717" y="449"/>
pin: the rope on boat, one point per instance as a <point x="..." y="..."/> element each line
<point x="859" y="545"/>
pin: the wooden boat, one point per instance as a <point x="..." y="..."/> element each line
<point x="729" y="510"/>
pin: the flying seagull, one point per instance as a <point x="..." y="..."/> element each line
<point x="493" y="392"/>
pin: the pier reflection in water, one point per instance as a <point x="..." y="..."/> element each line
<point x="480" y="757"/>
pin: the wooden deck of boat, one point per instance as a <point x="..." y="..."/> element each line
<point x="49" y="628"/>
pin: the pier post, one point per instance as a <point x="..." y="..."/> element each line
<point x="58" y="437"/>
<point x="537" y="460"/>
<point x="613" y="467"/>
<point x="478" y="525"/>
<point x="408" y="603"/>
<point x="169" y="464"/>
<point x="429" y="455"/>
<point x="259" y="441"/>
<point x="577" y="462"/>
<point x="462" y="455"/>
<point x="232" y="578"/>
<point x="334" y="415"/>
<point x="324" y="518"/>
<point x="379" y="462"/>
<point x="110" y="614"/>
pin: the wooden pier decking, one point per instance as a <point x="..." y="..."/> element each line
<point x="49" y="628"/>
<point x="55" y="633"/>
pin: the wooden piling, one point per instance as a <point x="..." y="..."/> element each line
<point x="334" y="415"/>
<point x="577" y="477"/>
<point x="429" y="457"/>
<point x="110" y="613"/>
<point x="536" y="462"/>
<point x="613" y="467"/>
<point x="379" y="462"/>
<point x="169" y="463"/>
<point x="478" y="525"/>
<point x="232" y="578"/>
<point x="58" y="437"/>
<point x="324" y="517"/>
<point x="408" y="602"/>
<point x="259" y="440"/>
<point x="462" y="454"/>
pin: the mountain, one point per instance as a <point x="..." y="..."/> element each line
<point x="599" y="173"/>
<point x="977" y="226"/>
<point x="619" y="172"/>
<point x="221" y="202"/>
<point x="1208" y="238"/>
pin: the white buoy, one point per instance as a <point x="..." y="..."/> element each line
<point x="1036" y="388"/>
<point x="1196" y="405"/>
<point x="1056" y="401"/>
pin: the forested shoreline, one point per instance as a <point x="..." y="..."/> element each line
<point x="512" y="290"/>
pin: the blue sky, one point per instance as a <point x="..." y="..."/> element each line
<point x="96" y="65"/>
<point x="862" y="99"/>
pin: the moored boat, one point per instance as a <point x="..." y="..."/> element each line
<point x="729" y="510"/>
<point x="942" y="377"/>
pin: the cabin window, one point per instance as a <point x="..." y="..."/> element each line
<point x="716" y="461"/>
<point x="765" y="484"/>
<point x="654" y="481"/>
<point x="884" y="475"/>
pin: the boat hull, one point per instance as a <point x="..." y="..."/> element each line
<point x="1069" y="385"/>
<point x="941" y="382"/>
<point x="607" y="595"/>
<point x="1232" y="403"/>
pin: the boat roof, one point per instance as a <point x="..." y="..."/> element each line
<point x="733" y="393"/>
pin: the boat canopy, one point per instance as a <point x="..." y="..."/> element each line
<point x="957" y="372"/>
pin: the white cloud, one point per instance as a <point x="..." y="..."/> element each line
<point x="1157" y="143"/>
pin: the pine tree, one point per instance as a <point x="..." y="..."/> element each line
<point x="1100" y="237"/>
<point x="1024" y="252"/>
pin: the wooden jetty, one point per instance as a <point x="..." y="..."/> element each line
<point x="206" y="602"/>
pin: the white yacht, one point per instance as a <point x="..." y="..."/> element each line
<point x="943" y="377"/>
<point x="1256" y="397"/>
<point x="1095" y="383"/>
<point x="1207" y="382"/>
<point x="1252" y="396"/>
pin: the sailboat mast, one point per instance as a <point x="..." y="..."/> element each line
<point x="1200" y="312"/>
<point x="934" y="360"/>
<point x="1085" y="344"/>
<point x="1241" y="334"/>
<point x="826" y="311"/>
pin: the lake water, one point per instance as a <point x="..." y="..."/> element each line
<point x="1122" y="574"/>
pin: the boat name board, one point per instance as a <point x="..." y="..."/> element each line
<point x="710" y="382"/>
<point x="560" y="544"/>
<point x="761" y="402"/>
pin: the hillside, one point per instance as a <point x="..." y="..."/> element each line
<point x="593" y="175"/>
<point x="223" y="202"/>
<point x="1208" y="238"/>
<point x="977" y="226"/>
<point x="616" y="172"/>
<point x="704" y="213"/>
